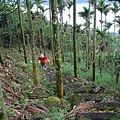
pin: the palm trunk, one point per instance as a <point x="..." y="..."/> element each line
<point x="100" y="55"/>
<point x="89" y="38"/>
<point x="9" y="29"/>
<point x="10" y="33"/>
<point x="114" y="23"/>
<point x="74" y="38"/>
<point x="15" y="22"/>
<point x="105" y="21"/>
<point x="22" y="32"/>
<point x="86" y="41"/>
<point x="35" y="73"/>
<point x="69" y="16"/>
<point x="56" y="41"/>
<point x="43" y="38"/>
<point x="51" y="35"/>
<point x="62" y="37"/>
<point x="94" y="43"/>
<point x="1" y="58"/>
<point x="101" y="21"/>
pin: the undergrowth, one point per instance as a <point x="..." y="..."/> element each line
<point x="107" y="80"/>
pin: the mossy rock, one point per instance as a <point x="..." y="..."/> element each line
<point x="53" y="101"/>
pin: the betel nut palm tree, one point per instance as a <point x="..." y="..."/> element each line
<point x="69" y="4"/>
<point x="93" y="3"/>
<point x="86" y="15"/>
<point x="101" y="6"/>
<point x="115" y="9"/>
<point x="106" y="11"/>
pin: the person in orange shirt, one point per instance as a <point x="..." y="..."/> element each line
<point x="43" y="60"/>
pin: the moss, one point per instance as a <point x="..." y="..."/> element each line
<point x="53" y="101"/>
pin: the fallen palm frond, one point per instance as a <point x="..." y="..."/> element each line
<point x="82" y="107"/>
<point x="16" y="94"/>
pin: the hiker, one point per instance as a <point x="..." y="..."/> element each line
<point x="43" y="60"/>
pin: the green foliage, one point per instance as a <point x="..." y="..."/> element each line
<point x="37" y="115"/>
<point x="42" y="102"/>
<point x="107" y="80"/>
<point x="117" y="56"/>
<point x="22" y="101"/>
<point x="68" y="69"/>
<point x="11" y="112"/>
<point x="55" y="113"/>
<point x="58" y="114"/>
<point x="93" y="109"/>
<point x="29" y="68"/>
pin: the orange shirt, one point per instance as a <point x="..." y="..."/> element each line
<point x="42" y="60"/>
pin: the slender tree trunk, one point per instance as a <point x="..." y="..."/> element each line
<point x="10" y="33"/>
<point x="114" y="23"/>
<point x="39" y="36"/>
<point x="86" y="41"/>
<point x="117" y="77"/>
<point x="69" y="16"/>
<point x="35" y="72"/>
<point x="70" y="43"/>
<point x="59" y="82"/>
<point x="43" y="38"/>
<point x="105" y="21"/>
<point x="1" y="58"/>
<point x="18" y="40"/>
<point x="9" y="29"/>
<point x="74" y="38"/>
<point x="62" y="37"/>
<point x="22" y="32"/>
<point x="101" y="21"/>
<point x="89" y="38"/>
<point x="51" y="35"/>
<point x="94" y="43"/>
<point x="28" y="43"/>
<point x="3" y="114"/>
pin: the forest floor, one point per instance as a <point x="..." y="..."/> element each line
<point x="23" y="100"/>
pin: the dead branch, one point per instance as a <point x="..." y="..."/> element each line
<point x="82" y="107"/>
<point x="9" y="89"/>
<point x="33" y="110"/>
<point x="40" y="106"/>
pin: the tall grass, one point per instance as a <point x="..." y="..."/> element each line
<point x="107" y="80"/>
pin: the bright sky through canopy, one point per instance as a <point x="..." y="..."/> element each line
<point x="80" y="20"/>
